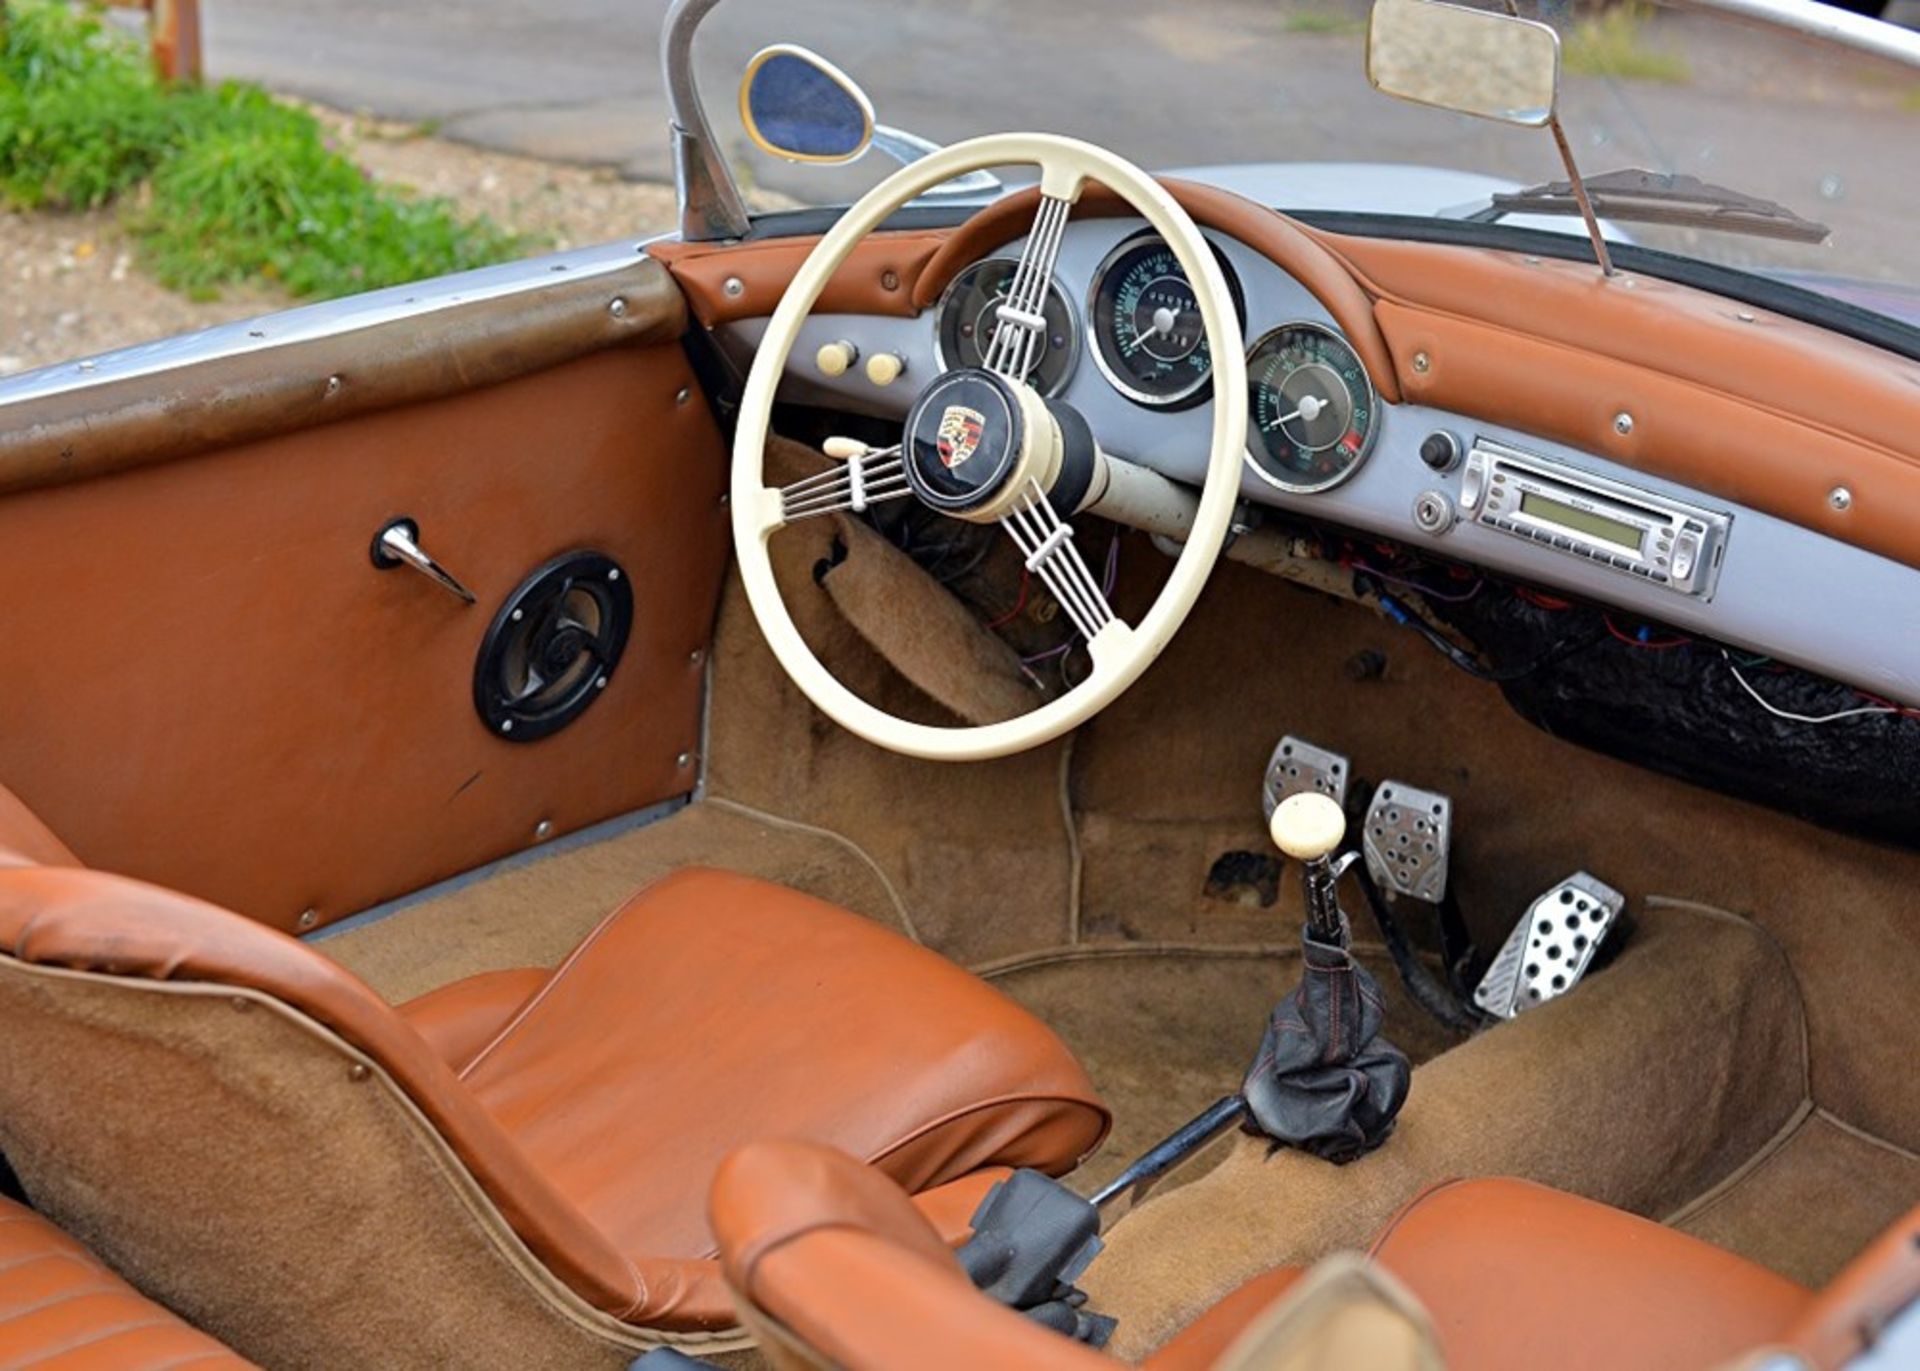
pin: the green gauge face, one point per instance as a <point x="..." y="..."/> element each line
<point x="1147" y="334"/>
<point x="968" y="319"/>
<point x="1311" y="408"/>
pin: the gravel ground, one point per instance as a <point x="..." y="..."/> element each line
<point x="72" y="285"/>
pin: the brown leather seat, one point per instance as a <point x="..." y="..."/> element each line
<point x="829" y="1260"/>
<point x="62" y="1310"/>
<point x="590" y="1105"/>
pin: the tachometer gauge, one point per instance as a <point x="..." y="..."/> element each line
<point x="1311" y="408"/>
<point x="1145" y="321"/>
<point x="967" y="323"/>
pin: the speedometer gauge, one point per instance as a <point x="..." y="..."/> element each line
<point x="1311" y="408"/>
<point x="1145" y="319"/>
<point x="968" y="318"/>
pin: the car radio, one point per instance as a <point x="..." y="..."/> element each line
<point x="1633" y="531"/>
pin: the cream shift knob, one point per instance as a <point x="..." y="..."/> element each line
<point x="833" y="359"/>
<point x="1308" y="826"/>
<point x="884" y="368"/>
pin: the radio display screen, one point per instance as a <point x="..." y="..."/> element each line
<point x="1616" y="531"/>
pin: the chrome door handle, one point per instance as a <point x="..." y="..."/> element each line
<point x="398" y="544"/>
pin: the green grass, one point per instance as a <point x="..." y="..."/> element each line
<point x="1912" y="100"/>
<point x="1324" y="22"/>
<point x="219" y="186"/>
<point x="1613" y="43"/>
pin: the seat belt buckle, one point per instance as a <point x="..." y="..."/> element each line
<point x="1032" y="1239"/>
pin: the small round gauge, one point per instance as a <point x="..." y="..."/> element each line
<point x="1311" y="408"/>
<point x="1145" y="320"/>
<point x="967" y="323"/>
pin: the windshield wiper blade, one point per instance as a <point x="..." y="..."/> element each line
<point x="1649" y="197"/>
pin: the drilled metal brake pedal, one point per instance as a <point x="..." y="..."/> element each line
<point x="1406" y="836"/>
<point x="1296" y="766"/>
<point x="1551" y="948"/>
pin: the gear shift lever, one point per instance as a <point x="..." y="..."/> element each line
<point x="1323" y="1081"/>
<point x="1308" y="827"/>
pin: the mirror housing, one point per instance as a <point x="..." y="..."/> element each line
<point x="1472" y="61"/>
<point x="799" y="106"/>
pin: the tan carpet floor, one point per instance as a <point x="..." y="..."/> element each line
<point x="1669" y="1078"/>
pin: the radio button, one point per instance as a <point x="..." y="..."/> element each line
<point x="1473" y="482"/>
<point x="1684" y="556"/>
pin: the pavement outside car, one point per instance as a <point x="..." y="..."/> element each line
<point x="1836" y="138"/>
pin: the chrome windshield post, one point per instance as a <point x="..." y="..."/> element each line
<point x="710" y="203"/>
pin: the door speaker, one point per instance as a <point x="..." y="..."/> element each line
<point x="552" y="647"/>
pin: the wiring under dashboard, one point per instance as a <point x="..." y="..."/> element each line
<point x="1369" y="579"/>
<point x="1465" y="660"/>
<point x="1877" y="707"/>
<point x="1062" y="653"/>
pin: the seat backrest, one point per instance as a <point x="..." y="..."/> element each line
<point x="24" y="840"/>
<point x="832" y="1265"/>
<point x="60" y="1305"/>
<point x="1875" y="1289"/>
<point x="132" y="1098"/>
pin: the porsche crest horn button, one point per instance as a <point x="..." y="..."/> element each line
<point x="963" y="439"/>
<point x="959" y="435"/>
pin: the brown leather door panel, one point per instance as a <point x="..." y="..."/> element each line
<point x="209" y="685"/>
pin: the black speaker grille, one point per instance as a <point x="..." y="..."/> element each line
<point x="553" y="646"/>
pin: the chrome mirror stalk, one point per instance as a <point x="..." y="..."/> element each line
<point x="711" y="206"/>
<point x="1579" y="185"/>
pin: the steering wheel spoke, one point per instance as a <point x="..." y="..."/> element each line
<point x="866" y="479"/>
<point x="1046" y="542"/>
<point x="1020" y="333"/>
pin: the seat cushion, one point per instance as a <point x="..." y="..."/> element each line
<point x="459" y="1019"/>
<point x="61" y="1308"/>
<point x="713" y="1009"/>
<point x="1202" y="1343"/>
<point x="1517" y="1275"/>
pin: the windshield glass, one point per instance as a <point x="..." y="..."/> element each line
<point x="1830" y="134"/>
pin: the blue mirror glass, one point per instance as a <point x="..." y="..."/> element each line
<point x="798" y="105"/>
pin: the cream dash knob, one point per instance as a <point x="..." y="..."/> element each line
<point x="833" y="359"/>
<point x="844" y="449"/>
<point x="1308" y="826"/>
<point x="884" y="368"/>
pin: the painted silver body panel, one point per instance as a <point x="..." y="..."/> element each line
<point x="328" y="319"/>
<point x="1784" y="591"/>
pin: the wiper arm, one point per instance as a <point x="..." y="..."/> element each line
<point x="1648" y="197"/>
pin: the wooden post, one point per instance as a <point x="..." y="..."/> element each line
<point x="174" y="29"/>
<point x="176" y="39"/>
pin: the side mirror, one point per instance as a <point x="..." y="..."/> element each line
<point x="799" y="106"/>
<point x="1473" y="61"/>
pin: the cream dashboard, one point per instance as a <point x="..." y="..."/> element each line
<point x="1123" y="351"/>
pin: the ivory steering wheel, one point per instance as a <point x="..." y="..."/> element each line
<point x="981" y="445"/>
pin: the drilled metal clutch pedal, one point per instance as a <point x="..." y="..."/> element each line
<point x="1406" y="837"/>
<point x="1296" y="766"/>
<point x="1551" y="948"/>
